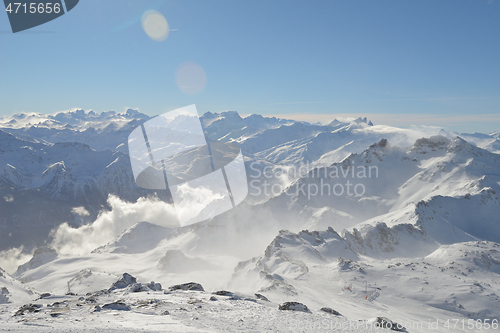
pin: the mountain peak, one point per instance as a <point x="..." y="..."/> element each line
<point x="359" y="120"/>
<point x="422" y="145"/>
<point x="231" y="115"/>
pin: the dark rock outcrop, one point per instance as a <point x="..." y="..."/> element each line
<point x="188" y="286"/>
<point x="124" y="282"/>
<point x="294" y="306"/>
<point x="261" y="297"/>
<point x="118" y="305"/>
<point x="384" y="322"/>
<point x="29" y="308"/>
<point x="330" y="311"/>
<point x="223" y="293"/>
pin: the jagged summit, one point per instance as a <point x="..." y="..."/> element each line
<point x="359" y="120"/>
<point x="40" y="257"/>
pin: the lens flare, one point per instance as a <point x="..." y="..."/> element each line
<point x="190" y="78"/>
<point x="155" y="25"/>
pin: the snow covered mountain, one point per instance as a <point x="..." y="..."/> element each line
<point x="369" y="221"/>
<point x="13" y="291"/>
<point x="62" y="182"/>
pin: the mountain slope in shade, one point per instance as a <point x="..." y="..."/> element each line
<point x="55" y="179"/>
<point x="13" y="291"/>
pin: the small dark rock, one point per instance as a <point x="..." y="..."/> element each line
<point x="154" y="286"/>
<point x="384" y="322"/>
<point x="45" y="295"/>
<point x="249" y="299"/>
<point x="165" y="313"/>
<point x="330" y="311"/>
<point x="118" y="305"/>
<point x="261" y="297"/>
<point x="223" y="293"/>
<point x="70" y="294"/>
<point x="28" y="307"/>
<point x="91" y="299"/>
<point x="213" y="298"/>
<point x="188" y="286"/>
<point x="294" y="306"/>
<point x="137" y="287"/>
<point x="99" y="293"/>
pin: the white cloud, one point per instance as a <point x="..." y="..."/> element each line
<point x="110" y="224"/>
<point x="80" y="211"/>
<point x="11" y="259"/>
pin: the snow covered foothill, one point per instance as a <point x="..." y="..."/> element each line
<point x="452" y="281"/>
<point x="13" y="291"/>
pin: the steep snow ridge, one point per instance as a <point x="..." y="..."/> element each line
<point x="456" y="207"/>
<point x="405" y="233"/>
<point x="229" y="125"/>
<point x="322" y="218"/>
<point x="489" y="142"/>
<point x="13" y="291"/>
<point x="41" y="256"/>
<point x="327" y="186"/>
<point x="474" y="214"/>
<point x="141" y="237"/>
<point x="452" y="280"/>
<point x="276" y="137"/>
<point x="305" y="143"/>
<point x="36" y="163"/>
<point x="322" y="150"/>
<point x="439" y="191"/>
<point x="483" y="255"/>
<point x="448" y="171"/>
<point x="288" y="258"/>
<point x="421" y="229"/>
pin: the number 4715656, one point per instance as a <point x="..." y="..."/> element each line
<point x="34" y="8"/>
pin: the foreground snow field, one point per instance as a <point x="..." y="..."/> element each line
<point x="419" y="247"/>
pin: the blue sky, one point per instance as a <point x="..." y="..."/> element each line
<point x="425" y="62"/>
